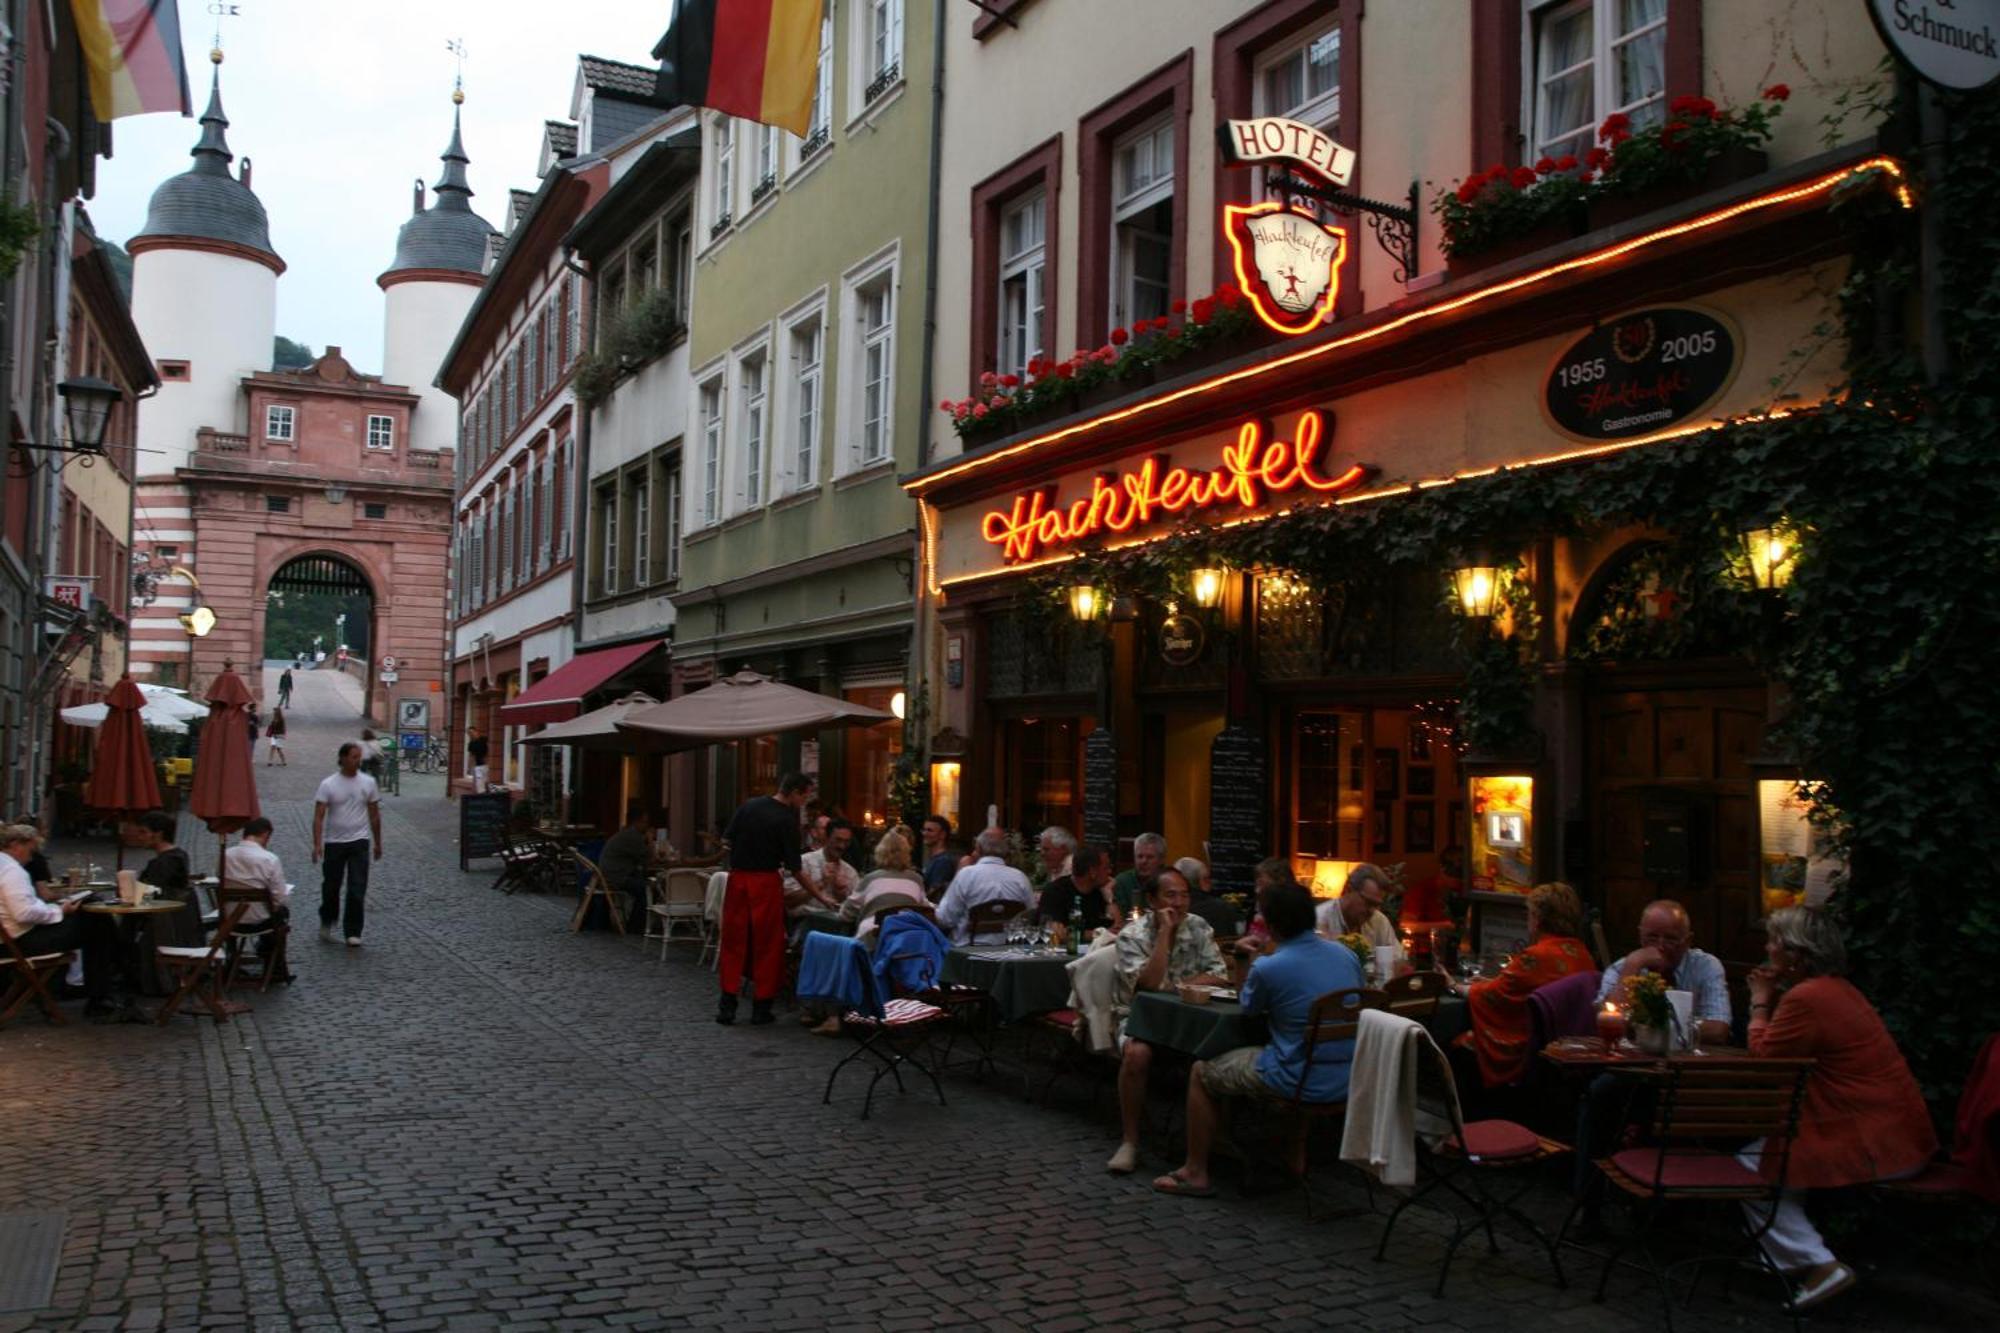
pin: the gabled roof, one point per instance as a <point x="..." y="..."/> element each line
<point x="632" y="82"/>
<point x="560" y="136"/>
<point x="519" y="202"/>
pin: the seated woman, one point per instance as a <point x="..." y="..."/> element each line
<point x="1498" y="1006"/>
<point x="1863" y="1117"/>
<point x="892" y="880"/>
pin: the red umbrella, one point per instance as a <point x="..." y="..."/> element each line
<point x="123" y="780"/>
<point x="225" y="786"/>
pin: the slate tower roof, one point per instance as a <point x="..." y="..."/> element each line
<point x="205" y="201"/>
<point x="448" y="234"/>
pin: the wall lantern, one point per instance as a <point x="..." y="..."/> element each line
<point x="1771" y="551"/>
<point x="198" y="621"/>
<point x="1086" y="602"/>
<point x="87" y="403"/>
<point x="898" y="704"/>
<point x="1478" y="586"/>
<point x="1206" y="585"/>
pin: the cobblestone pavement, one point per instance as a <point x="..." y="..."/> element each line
<point x="480" y="1120"/>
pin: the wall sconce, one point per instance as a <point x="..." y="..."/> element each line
<point x="87" y="404"/>
<point x="1206" y="585"/>
<point x="1086" y="602"/>
<point x="1478" y="586"/>
<point x="898" y="703"/>
<point x="1771" y="551"/>
<point x="198" y="621"/>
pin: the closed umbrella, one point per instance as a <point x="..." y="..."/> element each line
<point x="123" y="780"/>
<point x="224" y="795"/>
<point x="743" y="706"/>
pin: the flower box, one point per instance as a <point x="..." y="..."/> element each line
<point x="1541" y="238"/>
<point x="1726" y="168"/>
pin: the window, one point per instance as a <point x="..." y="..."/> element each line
<point x="670" y="507"/>
<point x="766" y="178"/>
<point x="1301" y="81"/>
<point x="374" y="509"/>
<point x="808" y="338"/>
<point x="753" y="430"/>
<point x="278" y="423"/>
<point x="1142" y="223"/>
<point x="1023" y="268"/>
<point x="680" y="262"/>
<point x="381" y="431"/>
<point x="563" y="519"/>
<point x="1591" y="58"/>
<point x="607" y="527"/>
<point x="527" y="485"/>
<point x="724" y="177"/>
<point x="878" y="350"/>
<point x="884" y="57"/>
<point x="177" y="372"/>
<point x="506" y="549"/>
<point x="642" y="530"/>
<point x="820" y="132"/>
<point x="277" y="504"/>
<point x="645" y="267"/>
<point x="552" y="347"/>
<point x="711" y="451"/>
<point x="572" y="321"/>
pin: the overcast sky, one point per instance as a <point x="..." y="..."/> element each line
<point x="340" y="106"/>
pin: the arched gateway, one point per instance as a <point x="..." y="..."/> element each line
<point x="323" y="603"/>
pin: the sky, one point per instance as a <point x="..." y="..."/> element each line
<point x="340" y="106"/>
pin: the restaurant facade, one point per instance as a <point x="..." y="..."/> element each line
<point x="1233" y="590"/>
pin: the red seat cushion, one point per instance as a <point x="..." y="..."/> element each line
<point x="1697" y="1169"/>
<point x="1066" y="1019"/>
<point x="1497" y="1140"/>
<point x="1937" y="1178"/>
<point x="898" y="1013"/>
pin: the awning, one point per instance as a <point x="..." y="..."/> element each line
<point x="559" y="696"/>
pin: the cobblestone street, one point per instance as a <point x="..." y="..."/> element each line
<point x="480" y="1120"/>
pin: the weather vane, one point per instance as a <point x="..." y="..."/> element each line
<point x="222" y="9"/>
<point x="457" y="48"/>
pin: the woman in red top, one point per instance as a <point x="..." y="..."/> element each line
<point x="1501" y="1028"/>
<point x="1863" y="1118"/>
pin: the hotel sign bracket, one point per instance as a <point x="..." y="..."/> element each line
<point x="1394" y="225"/>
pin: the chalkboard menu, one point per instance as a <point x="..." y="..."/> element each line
<point x="1238" y="827"/>
<point x="482" y="825"/>
<point x="1642" y="372"/>
<point x="1100" y="790"/>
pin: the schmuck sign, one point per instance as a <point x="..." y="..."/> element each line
<point x="1641" y="373"/>
<point x="1951" y="43"/>
<point x="1287" y="256"/>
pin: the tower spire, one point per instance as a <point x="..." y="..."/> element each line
<point x="453" y="190"/>
<point x="211" y="154"/>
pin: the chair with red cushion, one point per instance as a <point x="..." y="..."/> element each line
<point x="1462" y="1164"/>
<point x="1970" y="1167"/>
<point x="1704" y="1108"/>
<point x="893" y="1033"/>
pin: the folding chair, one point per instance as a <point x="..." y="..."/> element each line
<point x="1462" y="1162"/>
<point x="1700" y="1102"/>
<point x="1416" y="994"/>
<point x="891" y="1032"/>
<point x="987" y="918"/>
<point x="28" y="978"/>
<point x="274" y="964"/>
<point x="1334" y="1017"/>
<point x="595" y="887"/>
<point x="528" y="861"/>
<point x="200" y="970"/>
<point x="711" y="915"/>
<point x="678" y="897"/>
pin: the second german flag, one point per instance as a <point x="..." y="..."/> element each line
<point x="757" y="59"/>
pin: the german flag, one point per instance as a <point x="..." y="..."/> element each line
<point x="132" y="49"/>
<point x="757" y="59"/>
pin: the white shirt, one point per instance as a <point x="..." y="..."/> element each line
<point x="20" y="906"/>
<point x="346" y="800"/>
<point x="1377" y="929"/>
<point x="836" y="880"/>
<point x="250" y="866"/>
<point x="989" y="879"/>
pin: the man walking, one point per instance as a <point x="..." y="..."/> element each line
<point x="285" y="689"/>
<point x="763" y="839"/>
<point x="346" y="814"/>
<point x="475" y="750"/>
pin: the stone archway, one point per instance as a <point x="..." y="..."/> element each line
<point x="322" y="601"/>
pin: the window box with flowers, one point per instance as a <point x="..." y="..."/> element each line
<point x="1196" y="333"/>
<point x="1502" y="213"/>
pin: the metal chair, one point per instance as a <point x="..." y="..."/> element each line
<point x="678" y="897"/>
<point x="892" y="1032"/>
<point x="986" y="918"/>
<point x="1334" y="1017"/>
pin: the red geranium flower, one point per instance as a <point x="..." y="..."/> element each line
<point x="1118" y="337"/>
<point x="1614" y="124"/>
<point x="1065" y="371"/>
<point x="978" y="411"/>
<point x="1203" y="310"/>
<point x="1670" y="136"/>
<point x="989" y="379"/>
<point x="1544" y="165"/>
<point x="1522" y="178"/>
<point x="1778" y="92"/>
<point x="944" y="405"/>
<point x="1596" y="157"/>
<point x="1180" y="307"/>
<point x="1010" y="381"/>
<point x="1469" y="190"/>
<point x="1228" y="294"/>
<point x="1586" y="177"/>
<point x="1567" y="162"/>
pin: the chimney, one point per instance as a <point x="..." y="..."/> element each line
<point x="244" y="174"/>
<point x="417" y="200"/>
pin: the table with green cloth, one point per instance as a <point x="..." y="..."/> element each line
<point x="827" y="923"/>
<point x="1205" y="1031"/>
<point x="1021" y="981"/>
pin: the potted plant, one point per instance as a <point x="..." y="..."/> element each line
<point x="1502" y="213"/>
<point x="1647" y="1010"/>
<point x="1697" y="148"/>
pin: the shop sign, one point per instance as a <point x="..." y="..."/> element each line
<point x="1287" y="259"/>
<point x="72" y="592"/>
<point x="1181" y="640"/>
<point x="1641" y="373"/>
<point x="1253" y="473"/>
<point x="1951" y="43"/>
<point x="1276" y="139"/>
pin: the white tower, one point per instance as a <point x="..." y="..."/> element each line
<point x="439" y="266"/>
<point x="204" y="294"/>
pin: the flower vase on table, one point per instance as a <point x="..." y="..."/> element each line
<point x="1652" y="1040"/>
<point x="1650" y="1015"/>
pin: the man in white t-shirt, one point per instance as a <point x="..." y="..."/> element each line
<point x="346" y="815"/>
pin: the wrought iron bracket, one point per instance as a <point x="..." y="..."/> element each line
<point x="1394" y="225"/>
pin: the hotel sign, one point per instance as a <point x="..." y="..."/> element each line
<point x="1287" y="258"/>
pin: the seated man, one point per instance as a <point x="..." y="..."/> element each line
<point x="1372" y="887"/>
<point x="1221" y="917"/>
<point x="252" y="864"/>
<point x="1666" y="946"/>
<point x="1087" y="886"/>
<point x="1282" y="985"/>
<point x="41" y="924"/>
<point x="1149" y="857"/>
<point x="1158" y="949"/>
<point x="987" y="879"/>
<point x="940" y="861"/>
<point x="627" y="861"/>
<point x="1055" y="846"/>
<point x="826" y="877"/>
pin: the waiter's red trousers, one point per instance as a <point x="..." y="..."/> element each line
<point x="753" y="933"/>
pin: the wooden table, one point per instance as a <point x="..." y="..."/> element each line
<point x="1205" y="1031"/>
<point x="148" y="908"/>
<point x="1590" y="1054"/>
<point x="134" y="963"/>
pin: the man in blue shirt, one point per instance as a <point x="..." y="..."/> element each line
<point x="940" y="861"/>
<point x="1665" y="936"/>
<point x="1282" y="985"/>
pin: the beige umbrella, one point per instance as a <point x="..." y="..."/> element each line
<point x="598" y="729"/>
<point x="743" y="706"/>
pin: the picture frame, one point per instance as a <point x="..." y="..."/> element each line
<point x="1420" y="827"/>
<point x="1383" y="834"/>
<point x="1422" y="781"/>
<point x="1388" y="773"/>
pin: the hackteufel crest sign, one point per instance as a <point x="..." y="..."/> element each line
<point x="1288" y="259"/>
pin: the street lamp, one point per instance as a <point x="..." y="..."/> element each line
<point x="1477" y="586"/>
<point x="1206" y="585"/>
<point x="1771" y="551"/>
<point x="87" y="403"/>
<point x="198" y="619"/>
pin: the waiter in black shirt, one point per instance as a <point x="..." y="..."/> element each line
<point x="763" y="838"/>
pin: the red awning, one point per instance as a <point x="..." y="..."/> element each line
<point x="559" y="696"/>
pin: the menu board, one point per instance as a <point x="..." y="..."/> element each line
<point x="482" y="825"/>
<point x="1801" y="863"/>
<point x="1100" y="790"/>
<point x="1238" y="825"/>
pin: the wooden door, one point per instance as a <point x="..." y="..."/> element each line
<point x="1671" y="800"/>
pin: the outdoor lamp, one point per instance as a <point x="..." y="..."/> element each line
<point x="898" y="703"/>
<point x="1206" y="585"/>
<point x="87" y="403"/>
<point x="1477" y="586"/>
<point x="1085" y="601"/>
<point x="1770" y="551"/>
<point x="198" y="621"/>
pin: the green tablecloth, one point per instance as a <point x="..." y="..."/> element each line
<point x="1205" y="1031"/>
<point x="1020" y="986"/>
<point x="827" y="923"/>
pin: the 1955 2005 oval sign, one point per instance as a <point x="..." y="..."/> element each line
<point x="1642" y="372"/>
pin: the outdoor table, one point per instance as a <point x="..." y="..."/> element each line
<point x="1589" y="1055"/>
<point x="1205" y="1031"/>
<point x="1020" y="981"/>
<point x="823" y="923"/>
<point x="129" y="917"/>
<point x="148" y="908"/>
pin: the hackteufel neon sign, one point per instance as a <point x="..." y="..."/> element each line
<point x="1252" y="473"/>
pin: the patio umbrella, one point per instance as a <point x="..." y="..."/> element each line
<point x="123" y="780"/>
<point x="224" y="795"/>
<point x="746" y="705"/>
<point x="151" y="714"/>
<point x="598" y="729"/>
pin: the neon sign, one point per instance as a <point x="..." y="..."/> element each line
<point x="1287" y="263"/>
<point x="1253" y="470"/>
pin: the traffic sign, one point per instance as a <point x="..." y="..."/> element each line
<point x="388" y="662"/>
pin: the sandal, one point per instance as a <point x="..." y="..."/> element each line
<point x="1176" y="1184"/>
<point x="1837" y="1279"/>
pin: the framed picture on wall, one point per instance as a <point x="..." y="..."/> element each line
<point x="1383" y="840"/>
<point x="1388" y="773"/>
<point x="1423" y="780"/>
<point x="1420" y="826"/>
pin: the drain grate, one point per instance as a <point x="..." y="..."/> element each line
<point x="30" y="1249"/>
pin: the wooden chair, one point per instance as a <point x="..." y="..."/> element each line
<point x="1461" y="1165"/>
<point x="1334" y="1017"/>
<point x="274" y="963"/>
<point x="679" y="897"/>
<point x="528" y="861"/>
<point x="889" y="907"/>
<point x="28" y="978"/>
<point x="595" y="887"/>
<point x="1704" y="1109"/>
<point x="987" y="918"/>
<point x="1944" y="1179"/>
<point x="201" y="970"/>
<point x="1416" y="994"/>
